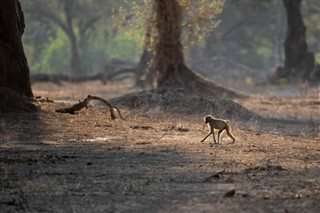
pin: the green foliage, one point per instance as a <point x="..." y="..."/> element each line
<point x="46" y="40"/>
<point x="283" y="81"/>
<point x="47" y="53"/>
<point x="199" y="19"/>
<point x="131" y="17"/>
<point x="54" y="54"/>
<point x="83" y="21"/>
<point x="122" y="46"/>
<point x="317" y="56"/>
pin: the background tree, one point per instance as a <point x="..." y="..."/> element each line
<point x="76" y="19"/>
<point x="172" y="18"/>
<point x="132" y="18"/>
<point x="239" y="38"/>
<point x="169" y="58"/>
<point x="300" y="63"/>
<point x="14" y="71"/>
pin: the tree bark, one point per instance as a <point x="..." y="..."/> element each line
<point x="14" y="70"/>
<point x="169" y="59"/>
<point x="144" y="77"/>
<point x="299" y="62"/>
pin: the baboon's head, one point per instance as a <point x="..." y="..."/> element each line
<point x="207" y="119"/>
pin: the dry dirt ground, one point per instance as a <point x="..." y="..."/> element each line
<point x="153" y="161"/>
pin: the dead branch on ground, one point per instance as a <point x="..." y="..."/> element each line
<point x="85" y="104"/>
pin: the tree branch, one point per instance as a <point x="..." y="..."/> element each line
<point x="84" y="104"/>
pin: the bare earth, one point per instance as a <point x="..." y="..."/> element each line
<point x="154" y="162"/>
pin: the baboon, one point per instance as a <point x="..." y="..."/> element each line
<point x="219" y="124"/>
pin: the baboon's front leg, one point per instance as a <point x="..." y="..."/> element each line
<point x="206" y="137"/>
<point x="214" y="138"/>
<point x="219" y="135"/>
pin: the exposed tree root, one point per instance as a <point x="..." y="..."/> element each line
<point x="11" y="101"/>
<point x="183" y="77"/>
<point x="85" y="104"/>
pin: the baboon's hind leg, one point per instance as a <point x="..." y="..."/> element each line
<point x="230" y="135"/>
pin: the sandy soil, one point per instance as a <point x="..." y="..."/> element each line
<point x="154" y="162"/>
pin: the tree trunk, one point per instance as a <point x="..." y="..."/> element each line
<point x="144" y="77"/>
<point x="14" y="70"/>
<point x="299" y="62"/>
<point x="75" y="59"/>
<point x="278" y="40"/>
<point x="169" y="59"/>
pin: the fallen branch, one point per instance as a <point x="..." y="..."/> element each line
<point x="85" y="104"/>
<point x="111" y="107"/>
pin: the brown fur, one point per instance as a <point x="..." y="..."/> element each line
<point x="220" y="125"/>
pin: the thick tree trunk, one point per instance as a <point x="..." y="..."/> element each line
<point x="299" y="62"/>
<point x="169" y="59"/>
<point x="14" y="70"/>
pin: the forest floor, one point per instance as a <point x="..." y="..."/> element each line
<point x="153" y="160"/>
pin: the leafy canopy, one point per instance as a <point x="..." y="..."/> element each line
<point x="136" y="18"/>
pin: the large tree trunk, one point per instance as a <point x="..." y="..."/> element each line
<point x="169" y="59"/>
<point x="299" y="62"/>
<point x="14" y="70"/>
